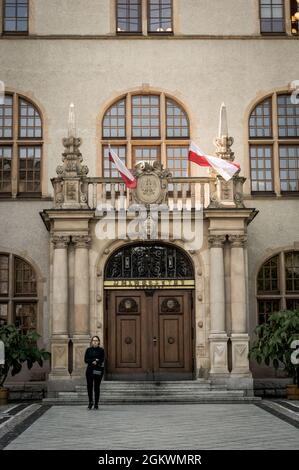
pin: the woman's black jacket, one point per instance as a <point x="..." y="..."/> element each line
<point x="92" y="354"/>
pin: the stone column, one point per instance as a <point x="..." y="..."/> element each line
<point x="218" y="336"/>
<point x="59" y="337"/>
<point x="239" y="336"/>
<point x="81" y="302"/>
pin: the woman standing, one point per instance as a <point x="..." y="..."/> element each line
<point x="94" y="358"/>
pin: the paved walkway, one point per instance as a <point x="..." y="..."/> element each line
<point x="154" y="426"/>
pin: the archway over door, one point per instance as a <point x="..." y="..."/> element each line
<point x="149" y="313"/>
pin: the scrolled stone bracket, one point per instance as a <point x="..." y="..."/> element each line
<point x="60" y="241"/>
<point x="216" y="241"/>
<point x="82" y="241"/>
<point x="237" y="241"/>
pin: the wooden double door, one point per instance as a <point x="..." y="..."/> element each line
<point x="149" y="335"/>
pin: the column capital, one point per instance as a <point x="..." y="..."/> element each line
<point x="216" y="241"/>
<point x="82" y="241"/>
<point x="237" y="241"/>
<point x="60" y="241"/>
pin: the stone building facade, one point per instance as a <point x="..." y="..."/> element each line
<point x="147" y="78"/>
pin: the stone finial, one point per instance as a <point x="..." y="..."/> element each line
<point x="71" y="185"/>
<point x="72" y="157"/>
<point x="72" y="121"/>
<point x="223" y="142"/>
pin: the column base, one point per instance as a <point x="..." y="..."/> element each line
<point x="63" y="383"/>
<point x="59" y="356"/>
<point x="218" y="355"/>
<point x="240" y="361"/>
<point x="80" y="344"/>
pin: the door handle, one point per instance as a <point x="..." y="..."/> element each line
<point x="155" y="339"/>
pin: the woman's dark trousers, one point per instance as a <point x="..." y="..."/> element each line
<point x="93" y="380"/>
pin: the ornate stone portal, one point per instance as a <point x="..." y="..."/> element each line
<point x="70" y="225"/>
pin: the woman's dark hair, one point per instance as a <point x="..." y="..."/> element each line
<point x="96" y="338"/>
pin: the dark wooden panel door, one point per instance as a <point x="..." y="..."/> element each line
<point x="172" y="335"/>
<point x="149" y="335"/>
<point x="127" y="327"/>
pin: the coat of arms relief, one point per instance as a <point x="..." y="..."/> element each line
<point x="152" y="183"/>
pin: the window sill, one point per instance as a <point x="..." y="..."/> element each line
<point x="290" y="193"/>
<point x="263" y="194"/>
<point x="25" y="197"/>
<point x="160" y="33"/>
<point x="272" y="33"/>
<point x="129" y="33"/>
<point x="15" y="33"/>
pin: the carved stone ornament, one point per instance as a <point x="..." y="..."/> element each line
<point x="216" y="241"/>
<point x="237" y="240"/>
<point x="223" y="145"/>
<point x="60" y="241"/>
<point x="151" y="183"/>
<point x="81" y="241"/>
<point x="72" y="159"/>
<point x="71" y="187"/>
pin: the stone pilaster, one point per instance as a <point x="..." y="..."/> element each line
<point x="59" y="333"/>
<point x="218" y="336"/>
<point x="81" y="302"/>
<point x="239" y="335"/>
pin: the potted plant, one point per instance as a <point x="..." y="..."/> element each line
<point x="274" y="345"/>
<point x="19" y="348"/>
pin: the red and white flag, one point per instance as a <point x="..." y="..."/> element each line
<point x="126" y="175"/>
<point x="223" y="167"/>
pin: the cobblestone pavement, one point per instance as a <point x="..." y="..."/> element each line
<point x="153" y="426"/>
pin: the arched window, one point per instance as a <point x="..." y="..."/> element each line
<point x="147" y="127"/>
<point x="20" y="147"/>
<point x="18" y="292"/>
<point x="278" y="284"/>
<point x="149" y="261"/>
<point x="274" y="145"/>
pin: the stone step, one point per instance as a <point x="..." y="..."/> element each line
<point x="163" y="393"/>
<point x="150" y="389"/>
<point x="202" y="398"/>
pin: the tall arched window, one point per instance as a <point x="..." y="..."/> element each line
<point x="20" y="147"/>
<point x="278" y="284"/>
<point x="18" y="292"/>
<point x="274" y="145"/>
<point x="146" y="127"/>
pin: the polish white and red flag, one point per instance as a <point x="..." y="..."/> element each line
<point x="223" y="167"/>
<point x="126" y="175"/>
